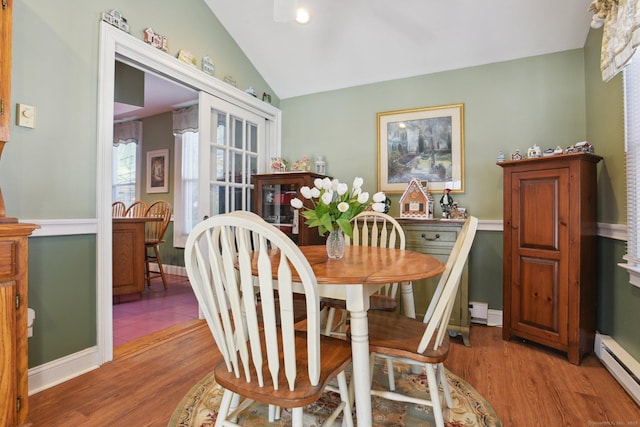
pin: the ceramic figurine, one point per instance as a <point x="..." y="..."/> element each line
<point x="516" y="155"/>
<point x="534" y="152"/>
<point x="320" y="165"/>
<point x="500" y="156"/>
<point x="251" y="91"/>
<point x="446" y="201"/>
<point x="207" y="65"/>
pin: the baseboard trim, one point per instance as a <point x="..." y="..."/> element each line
<point x="60" y="370"/>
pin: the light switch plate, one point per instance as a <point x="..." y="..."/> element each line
<point x="26" y="115"/>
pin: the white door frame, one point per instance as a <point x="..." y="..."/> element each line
<point x="116" y="44"/>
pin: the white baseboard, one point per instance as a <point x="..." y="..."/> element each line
<point x="170" y="269"/>
<point x="494" y="318"/>
<point x="60" y="370"/>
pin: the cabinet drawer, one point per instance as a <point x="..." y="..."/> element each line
<point x="427" y="237"/>
<point x="7" y="258"/>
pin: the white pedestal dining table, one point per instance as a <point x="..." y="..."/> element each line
<point x="354" y="278"/>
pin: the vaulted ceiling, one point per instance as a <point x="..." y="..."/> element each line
<point x="355" y="42"/>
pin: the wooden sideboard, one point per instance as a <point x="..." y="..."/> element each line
<point x="437" y="237"/>
<point x="14" y="385"/>
<point x="128" y="256"/>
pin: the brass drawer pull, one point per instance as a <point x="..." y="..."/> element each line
<point x="424" y="236"/>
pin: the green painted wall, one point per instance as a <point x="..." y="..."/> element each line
<point x="49" y="172"/>
<point x="507" y="105"/>
<point x="62" y="292"/>
<point x="618" y="301"/>
<point x="55" y="68"/>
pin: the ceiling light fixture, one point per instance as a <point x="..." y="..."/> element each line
<point x="302" y="15"/>
<point x="289" y="10"/>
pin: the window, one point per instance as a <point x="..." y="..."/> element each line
<point x="186" y="186"/>
<point x="125" y="172"/>
<point x="632" y="148"/>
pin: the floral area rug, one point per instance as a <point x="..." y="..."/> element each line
<point x="199" y="407"/>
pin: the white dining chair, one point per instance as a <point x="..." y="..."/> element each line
<point x="375" y="229"/>
<point x="265" y="359"/>
<point x="423" y="343"/>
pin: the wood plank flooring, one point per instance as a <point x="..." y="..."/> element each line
<point x="527" y="385"/>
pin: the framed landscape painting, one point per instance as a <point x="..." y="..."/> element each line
<point x="423" y="143"/>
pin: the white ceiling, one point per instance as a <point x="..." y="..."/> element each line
<point x="160" y="95"/>
<point x="354" y="42"/>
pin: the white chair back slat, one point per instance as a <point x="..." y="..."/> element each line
<point x="443" y="301"/>
<point x="247" y="297"/>
<point x="378" y="229"/>
<point x="231" y="287"/>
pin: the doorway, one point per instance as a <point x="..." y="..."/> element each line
<point x="143" y="96"/>
<point x="116" y="45"/>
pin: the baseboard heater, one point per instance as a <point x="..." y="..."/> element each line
<point x="624" y="368"/>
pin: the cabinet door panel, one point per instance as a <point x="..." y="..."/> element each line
<point x="539" y="296"/>
<point x="535" y="305"/>
<point x="7" y="354"/>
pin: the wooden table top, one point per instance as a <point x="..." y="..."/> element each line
<point x="368" y="265"/>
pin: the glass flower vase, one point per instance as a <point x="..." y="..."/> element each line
<point x="335" y="244"/>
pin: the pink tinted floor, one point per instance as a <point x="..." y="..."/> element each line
<point x="156" y="310"/>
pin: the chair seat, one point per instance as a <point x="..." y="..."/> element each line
<point x="335" y="357"/>
<point x="396" y="335"/>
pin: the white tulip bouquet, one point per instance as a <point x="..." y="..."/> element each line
<point x="334" y="205"/>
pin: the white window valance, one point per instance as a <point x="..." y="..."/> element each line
<point x="620" y="35"/>
<point x="185" y="120"/>
<point x="127" y="132"/>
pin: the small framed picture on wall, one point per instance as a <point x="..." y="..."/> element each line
<point x="158" y="171"/>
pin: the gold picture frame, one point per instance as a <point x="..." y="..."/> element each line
<point x="423" y="143"/>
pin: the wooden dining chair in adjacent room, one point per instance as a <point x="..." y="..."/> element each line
<point x="226" y="256"/>
<point x="374" y="229"/>
<point x="136" y="210"/>
<point x="423" y="343"/>
<point x="118" y="209"/>
<point x="154" y="236"/>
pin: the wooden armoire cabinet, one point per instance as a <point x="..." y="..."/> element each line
<point x="14" y="386"/>
<point x="550" y="252"/>
<point x="272" y="196"/>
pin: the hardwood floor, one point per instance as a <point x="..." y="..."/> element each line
<point x="527" y="385"/>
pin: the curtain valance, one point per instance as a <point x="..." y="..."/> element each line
<point x="185" y="120"/>
<point x="620" y="35"/>
<point x="127" y="132"/>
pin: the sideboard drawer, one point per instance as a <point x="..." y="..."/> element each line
<point x="430" y="236"/>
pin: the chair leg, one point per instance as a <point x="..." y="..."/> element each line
<point x="435" y="397"/>
<point x="297" y="417"/>
<point x="390" y="375"/>
<point x="147" y="270"/>
<point x="445" y="385"/>
<point x="223" y="411"/>
<point x="156" y="249"/>
<point x="347" y="417"/>
<point x="329" y="323"/>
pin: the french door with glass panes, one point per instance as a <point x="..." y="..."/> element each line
<point x="232" y="145"/>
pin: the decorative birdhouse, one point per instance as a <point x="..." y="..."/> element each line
<point x="415" y="202"/>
